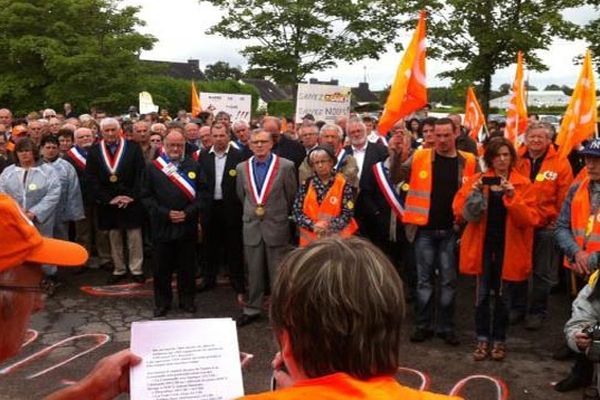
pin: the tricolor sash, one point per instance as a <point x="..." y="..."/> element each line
<point x="77" y="157"/>
<point x="340" y="159"/>
<point x="387" y="188"/>
<point x="196" y="155"/>
<point x="177" y="177"/>
<point x="261" y="197"/>
<point x="112" y="162"/>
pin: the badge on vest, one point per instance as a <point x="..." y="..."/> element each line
<point x="423" y="174"/>
<point x="333" y="200"/>
<point x="192" y="175"/>
<point x="32" y="186"/>
<point x="350" y="204"/>
<point x="405" y="187"/>
<point x="232" y="172"/>
<point x="546" y="176"/>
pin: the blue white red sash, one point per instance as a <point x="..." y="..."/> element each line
<point x="77" y="157"/>
<point x="112" y="162"/>
<point x="261" y="197"/>
<point x="180" y="180"/>
<point x="340" y="158"/>
<point x="234" y="144"/>
<point x="387" y="188"/>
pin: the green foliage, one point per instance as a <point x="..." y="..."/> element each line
<point x="175" y="94"/>
<point x="592" y="36"/>
<point x="484" y="36"/>
<point x="295" y="38"/>
<point x="281" y="107"/>
<point x="221" y="71"/>
<point x="81" y="51"/>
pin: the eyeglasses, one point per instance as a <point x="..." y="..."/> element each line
<point x="259" y="142"/>
<point x="45" y="287"/>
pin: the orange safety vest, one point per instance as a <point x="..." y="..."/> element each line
<point x="343" y="386"/>
<point x="330" y="207"/>
<point x="418" y="198"/>
<point x="585" y="227"/>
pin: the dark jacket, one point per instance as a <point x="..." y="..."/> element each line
<point x="290" y="149"/>
<point x="129" y="183"/>
<point x="160" y="196"/>
<point x="83" y="181"/>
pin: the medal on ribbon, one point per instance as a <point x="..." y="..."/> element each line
<point x="180" y="180"/>
<point x="387" y="188"/>
<point x="260" y="197"/>
<point x="112" y="162"/>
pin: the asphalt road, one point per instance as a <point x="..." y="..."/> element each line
<point x="528" y="370"/>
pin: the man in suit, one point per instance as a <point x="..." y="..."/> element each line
<point x="170" y="195"/>
<point x="282" y="145"/>
<point x="366" y="155"/>
<point x="114" y="171"/>
<point x="222" y="210"/>
<point x="266" y="185"/>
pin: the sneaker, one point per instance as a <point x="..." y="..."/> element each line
<point x="482" y="351"/>
<point x="421" y="335"/>
<point x="498" y="351"/>
<point x="534" y="322"/>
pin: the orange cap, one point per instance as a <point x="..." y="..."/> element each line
<point x="21" y="242"/>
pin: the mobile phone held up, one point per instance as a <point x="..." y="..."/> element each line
<point x="491" y="180"/>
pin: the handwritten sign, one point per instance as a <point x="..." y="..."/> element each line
<point x="324" y="102"/>
<point x="238" y="106"/>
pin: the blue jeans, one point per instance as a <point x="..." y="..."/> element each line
<point x="491" y="327"/>
<point x="435" y="250"/>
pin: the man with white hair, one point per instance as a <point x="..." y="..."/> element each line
<point x="241" y="131"/>
<point x="159" y="128"/>
<point x="114" y="169"/>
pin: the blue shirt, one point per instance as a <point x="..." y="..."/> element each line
<point x="260" y="171"/>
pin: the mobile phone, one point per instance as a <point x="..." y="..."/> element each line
<point x="490" y="180"/>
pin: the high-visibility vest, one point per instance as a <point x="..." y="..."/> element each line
<point x="585" y="227"/>
<point x="330" y="207"/>
<point x="418" y="198"/>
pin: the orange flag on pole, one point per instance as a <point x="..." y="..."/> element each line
<point x="474" y="117"/>
<point x="196" y="107"/>
<point x="409" y="90"/>
<point x="579" y="122"/>
<point x="516" y="115"/>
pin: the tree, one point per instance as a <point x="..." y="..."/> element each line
<point x="295" y="38"/>
<point x="221" y="71"/>
<point x="85" y="52"/>
<point x="484" y="36"/>
<point x="505" y="88"/>
<point x="592" y="36"/>
<point x="552" y="87"/>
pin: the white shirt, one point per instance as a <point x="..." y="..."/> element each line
<point x="359" y="156"/>
<point x="374" y="137"/>
<point x="220" y="159"/>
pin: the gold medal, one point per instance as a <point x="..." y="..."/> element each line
<point x="232" y="172"/>
<point x="192" y="175"/>
<point x="260" y="211"/>
<point x="113" y="178"/>
<point x="32" y="186"/>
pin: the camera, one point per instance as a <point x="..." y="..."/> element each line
<point x="593" y="352"/>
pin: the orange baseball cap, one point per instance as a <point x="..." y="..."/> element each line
<point x="21" y="242"/>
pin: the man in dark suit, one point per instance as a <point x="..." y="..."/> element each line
<point x="266" y="185"/>
<point x="366" y="155"/>
<point x="222" y="210"/>
<point x="114" y="171"/>
<point x="170" y="195"/>
<point x="282" y="145"/>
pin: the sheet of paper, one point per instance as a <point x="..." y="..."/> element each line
<point x="186" y="359"/>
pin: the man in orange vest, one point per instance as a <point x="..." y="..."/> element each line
<point x="551" y="177"/>
<point x="434" y="177"/>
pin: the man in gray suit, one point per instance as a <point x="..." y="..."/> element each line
<point x="266" y="185"/>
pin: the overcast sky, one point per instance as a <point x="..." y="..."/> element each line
<point x="180" y="25"/>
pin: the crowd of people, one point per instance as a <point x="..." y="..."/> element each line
<point x="203" y="195"/>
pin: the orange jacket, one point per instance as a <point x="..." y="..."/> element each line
<point x="418" y="198"/>
<point x="585" y="227"/>
<point x="551" y="183"/>
<point x="521" y="217"/>
<point x="342" y="386"/>
<point x="330" y="207"/>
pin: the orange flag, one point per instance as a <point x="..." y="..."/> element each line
<point x="516" y="115"/>
<point x="579" y="122"/>
<point x="409" y="90"/>
<point x="474" y="118"/>
<point x="196" y="107"/>
<point x="284" y="125"/>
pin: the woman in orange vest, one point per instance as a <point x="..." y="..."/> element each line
<point x="496" y="246"/>
<point x="324" y="205"/>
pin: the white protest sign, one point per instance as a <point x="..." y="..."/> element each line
<point x="147" y="106"/>
<point x="324" y="102"/>
<point x="238" y="106"/>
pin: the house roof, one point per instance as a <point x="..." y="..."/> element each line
<point x="362" y="94"/>
<point x="544" y="98"/>
<point x="267" y="89"/>
<point x="182" y="70"/>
